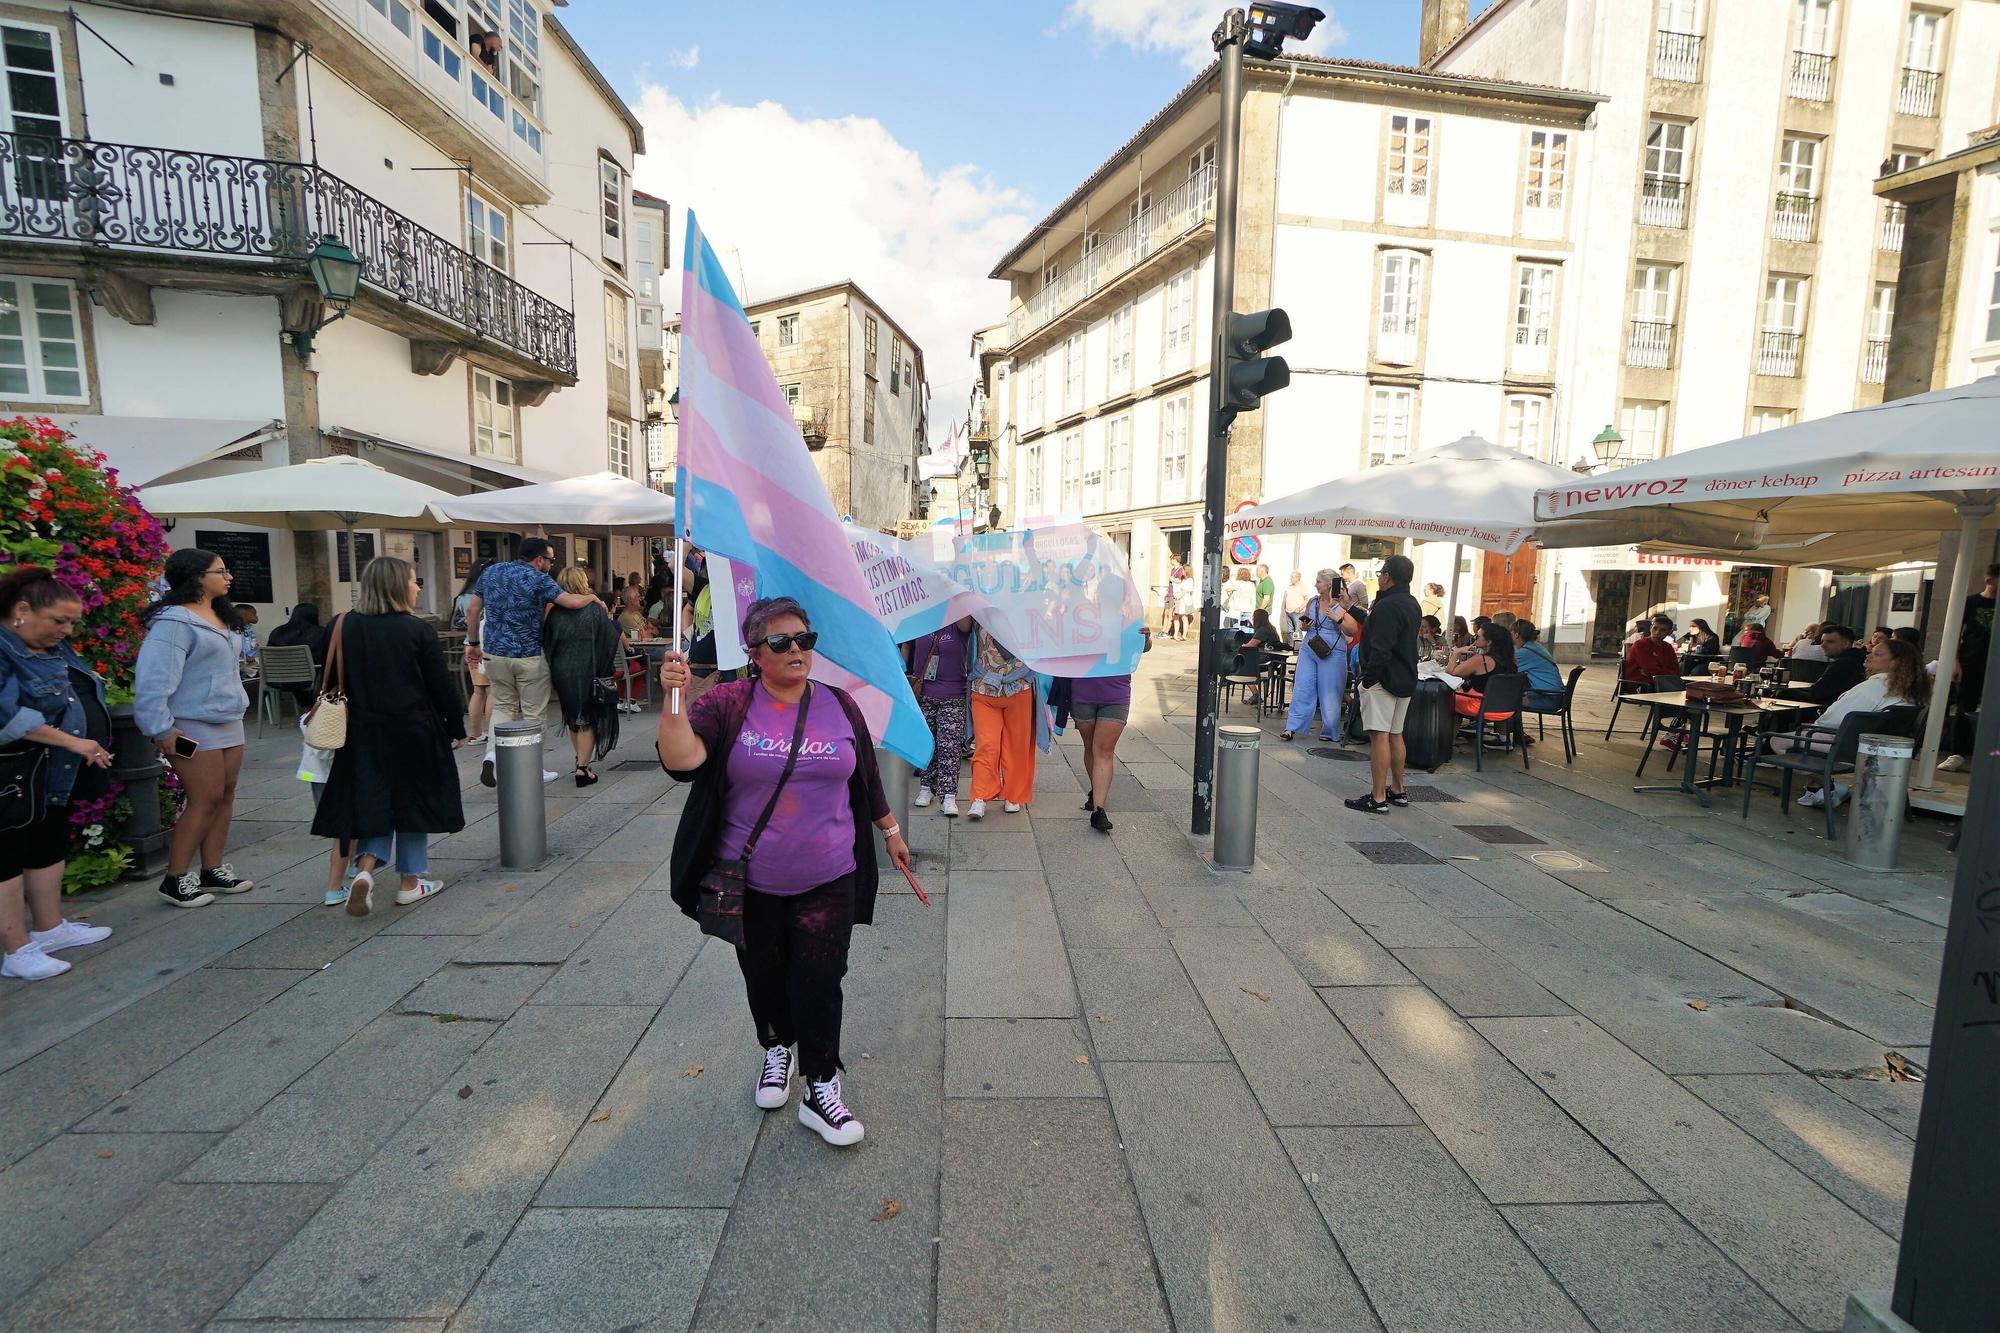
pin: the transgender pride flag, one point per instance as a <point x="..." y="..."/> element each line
<point x="747" y="490"/>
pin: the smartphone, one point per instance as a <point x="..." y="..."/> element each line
<point x="185" y="747"/>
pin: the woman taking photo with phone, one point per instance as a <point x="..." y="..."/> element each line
<point x="189" y="698"/>
<point x="774" y="853"/>
<point x="53" y="722"/>
<point x="1326" y="631"/>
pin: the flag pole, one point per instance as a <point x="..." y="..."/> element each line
<point x="680" y="561"/>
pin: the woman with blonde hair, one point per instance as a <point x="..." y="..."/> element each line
<point x="582" y="646"/>
<point x="394" y="782"/>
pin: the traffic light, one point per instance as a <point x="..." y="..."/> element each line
<point x="1250" y="374"/>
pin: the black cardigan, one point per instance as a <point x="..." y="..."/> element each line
<point x="717" y="717"/>
<point x="396" y="774"/>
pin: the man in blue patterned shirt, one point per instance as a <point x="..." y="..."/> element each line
<point x="503" y="635"/>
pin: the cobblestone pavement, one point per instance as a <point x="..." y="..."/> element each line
<point x="1533" y="1053"/>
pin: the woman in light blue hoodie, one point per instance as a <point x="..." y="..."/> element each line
<point x="190" y="697"/>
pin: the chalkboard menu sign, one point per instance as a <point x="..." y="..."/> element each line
<point x="364" y="549"/>
<point x="248" y="555"/>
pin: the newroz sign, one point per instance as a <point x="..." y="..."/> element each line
<point x="1569" y="501"/>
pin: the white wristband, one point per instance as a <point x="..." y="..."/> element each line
<point x="893" y="831"/>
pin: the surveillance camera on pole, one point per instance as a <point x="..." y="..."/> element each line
<point x="1239" y="374"/>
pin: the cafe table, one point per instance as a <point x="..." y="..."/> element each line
<point x="1698" y="711"/>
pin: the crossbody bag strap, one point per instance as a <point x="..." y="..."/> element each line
<point x="791" y="762"/>
<point x="335" y="668"/>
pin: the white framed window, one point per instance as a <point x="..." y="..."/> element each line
<point x="1034" y="392"/>
<point x="1663" y="186"/>
<point x="617" y="310"/>
<point x="1072" y="374"/>
<point x="1400" y="307"/>
<point x="1118" y="372"/>
<point x="1547" y="179"/>
<point x="442" y="53"/>
<point x="895" y="364"/>
<point x="1680" y="16"/>
<point x="1882" y="310"/>
<point x="791" y="393"/>
<point x="1050" y="273"/>
<point x="1174" y="448"/>
<point x="1769" y="418"/>
<point x="1031" y="480"/>
<point x="1643" y="423"/>
<point x="1649" y="342"/>
<point x="32" y="107"/>
<point x="1784" y="304"/>
<point x="1923" y="41"/>
<point x="619" y="447"/>
<point x="611" y="186"/>
<point x="524" y="65"/>
<point x="1072" y="471"/>
<point x="1798" y="189"/>
<point x="1814" y="28"/>
<point x="1390" y="411"/>
<point x="493" y="417"/>
<point x="1201" y="159"/>
<point x="1408" y="170"/>
<point x="645" y="264"/>
<point x="488" y="95"/>
<point x="1534" y="315"/>
<point x="1178" y="353"/>
<point x="788" y="330"/>
<point x="868" y="332"/>
<point x="1524" y="424"/>
<point x="396" y="12"/>
<point x="486" y="232"/>
<point x="1993" y="306"/>
<point x="41" y="341"/>
<point x="1118" y="462"/>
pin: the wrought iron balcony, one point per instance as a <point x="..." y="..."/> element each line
<point x="1778" y="352"/>
<point x="1649" y="344"/>
<point x="1663" y="202"/>
<point x="1677" y="56"/>
<point x="1792" y="216"/>
<point x="1812" y="76"/>
<point x="1178" y="212"/>
<point x="1916" y="95"/>
<point x="126" y="197"/>
<point x="1875" y="362"/>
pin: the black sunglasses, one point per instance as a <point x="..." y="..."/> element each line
<point x="782" y="643"/>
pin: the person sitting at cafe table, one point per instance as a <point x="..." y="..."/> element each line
<point x="1701" y="640"/>
<point x="1261" y="637"/>
<point x="1545" y="683"/>
<point x="1895" y="677"/>
<point x="1492" y="654"/>
<point x="1806" y="648"/>
<point x="1758" y="642"/>
<point x="1651" y="656"/>
<point x="1846" y="665"/>
<point x="1430" y="639"/>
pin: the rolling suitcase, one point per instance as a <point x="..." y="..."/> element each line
<point x="1429" y="726"/>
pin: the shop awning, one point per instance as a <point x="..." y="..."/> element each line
<point x="145" y="449"/>
<point x="464" y="468"/>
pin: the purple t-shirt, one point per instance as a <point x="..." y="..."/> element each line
<point x="810" y="839"/>
<point x="1101" y="690"/>
<point x="947" y="649"/>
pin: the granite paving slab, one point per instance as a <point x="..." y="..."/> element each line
<point x="1805" y="1041"/>
<point x="563" y="917"/>
<point x="1409" y="925"/>
<point x="410" y="1233"/>
<point x="979" y="848"/>
<point x="1141" y="1006"/>
<point x="303" y="1140"/>
<point x="1211" y="902"/>
<point x="597" y="1268"/>
<point x="1004" y="950"/>
<point x="1894" y="1104"/>
<point x="1429" y="1250"/>
<point x="1323" y="943"/>
<point x="1514" y="1142"/>
<point x="1237" y="1240"/>
<point x="396" y="1056"/>
<point x="311" y="939"/>
<point x="1018" y="1057"/>
<point x="493" y="990"/>
<point x="1041" y="1228"/>
<point x="644" y="840"/>
<point x="671" y="1138"/>
<point x="59" y="1198"/>
<point x="1101" y="906"/>
<point x="1300" y="1063"/>
<point x="1800" y="1243"/>
<point x="160" y="1265"/>
<point x="636" y="957"/>
<point x="1659" y="1275"/>
<point x="1479" y="983"/>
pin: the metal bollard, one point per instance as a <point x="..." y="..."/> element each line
<point x="899" y="785"/>
<point x="1236" y="797"/>
<point x="517" y="763"/>
<point x="1881" y="791"/>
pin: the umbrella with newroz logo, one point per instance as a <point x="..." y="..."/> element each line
<point x="1918" y="465"/>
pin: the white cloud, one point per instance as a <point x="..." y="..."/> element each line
<point x="1180" y="28"/>
<point x="686" y="59"/>
<point x="803" y="202"/>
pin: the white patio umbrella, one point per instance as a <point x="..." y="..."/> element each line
<point x="601" y="500"/>
<point x="1916" y="465"/>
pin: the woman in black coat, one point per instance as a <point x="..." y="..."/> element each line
<point x="394" y="782"/>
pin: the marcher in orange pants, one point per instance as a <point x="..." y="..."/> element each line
<point x="1003" y="755"/>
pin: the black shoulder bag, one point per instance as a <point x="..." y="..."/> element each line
<point x="719" y="904"/>
<point x="1316" y="641"/>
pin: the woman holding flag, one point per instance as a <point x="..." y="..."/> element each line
<point x="774" y="853"/>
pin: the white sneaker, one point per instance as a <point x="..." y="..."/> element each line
<point x="31" y="962"/>
<point x="1013" y="807"/>
<point x="977" y="810"/>
<point x="923" y="797"/>
<point x="774" y="1085"/>
<point x="949" y="807"/>
<point x="1814" y="798"/>
<point x="822" y="1111"/>
<point x="1952" y="763"/>
<point x="550" y="775"/>
<point x="68" y="934"/>
<point x="1839" y="794"/>
<point x="423" y="889"/>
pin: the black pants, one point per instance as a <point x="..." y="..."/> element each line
<point x="794" y="954"/>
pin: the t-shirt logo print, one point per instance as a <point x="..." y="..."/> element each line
<point x="781" y="746"/>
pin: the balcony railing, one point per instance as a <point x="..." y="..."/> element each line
<point x="126" y="197"/>
<point x="1916" y="95"/>
<point x="1649" y="345"/>
<point x="1663" y="202"/>
<point x="1778" y="352"/>
<point x="1875" y="361"/>
<point x="1677" y="56"/>
<point x="1792" y="217"/>
<point x="1178" y="212"/>
<point x="1891" y="238"/>
<point x="1812" y="76"/>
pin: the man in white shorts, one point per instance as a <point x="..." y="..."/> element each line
<point x="1388" y="679"/>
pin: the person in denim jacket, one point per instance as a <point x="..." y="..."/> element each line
<point x="189" y="692"/>
<point x="52" y="711"/>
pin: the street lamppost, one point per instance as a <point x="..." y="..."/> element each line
<point x="1238" y="375"/>
<point x="336" y="271"/>
<point x="1606" y="443"/>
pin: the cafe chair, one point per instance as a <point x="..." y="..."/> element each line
<point x="1500" y="705"/>
<point x="1565" y="723"/>
<point x="1745" y="656"/>
<point x="1620" y="687"/>
<point x="1649" y="735"/>
<point x="1838" y="757"/>
<point x="284" y="666"/>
